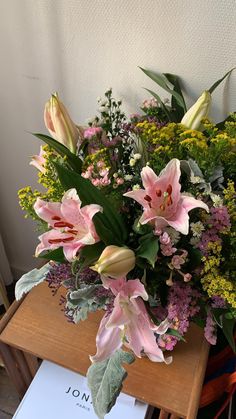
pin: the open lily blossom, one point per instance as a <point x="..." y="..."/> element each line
<point x="162" y="202"/>
<point x="72" y="226"/>
<point x="129" y="324"/>
<point x="176" y="236"/>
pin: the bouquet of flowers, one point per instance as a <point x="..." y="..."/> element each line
<point x="137" y="219"/>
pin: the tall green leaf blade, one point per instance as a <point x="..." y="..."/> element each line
<point x="174" y="103"/>
<point x="228" y="330"/>
<point x="105" y="381"/>
<point x="74" y="161"/>
<point x="162" y="81"/>
<point x="216" y="84"/>
<point x="109" y="224"/>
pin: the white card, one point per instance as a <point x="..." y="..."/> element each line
<point x="58" y="393"/>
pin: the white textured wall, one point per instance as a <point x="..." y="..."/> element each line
<point x="81" y="47"/>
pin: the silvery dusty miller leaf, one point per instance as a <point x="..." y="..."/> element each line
<point x="30" y="280"/>
<point x="105" y="381"/>
<point x="83" y="301"/>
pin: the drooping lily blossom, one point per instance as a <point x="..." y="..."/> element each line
<point x="162" y="201"/>
<point x="39" y="160"/>
<point x="129" y="323"/>
<point x="72" y="226"/>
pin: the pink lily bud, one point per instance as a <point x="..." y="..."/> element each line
<point x="115" y="262"/>
<point x="59" y="123"/>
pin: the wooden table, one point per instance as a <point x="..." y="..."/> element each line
<point x="37" y="328"/>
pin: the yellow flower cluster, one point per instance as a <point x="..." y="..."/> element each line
<point x="27" y="199"/>
<point x="214" y="256"/>
<point x="192" y="138"/>
<point x="230" y="199"/>
<point x="48" y="179"/>
<point x="213" y="282"/>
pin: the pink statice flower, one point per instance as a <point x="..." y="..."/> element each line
<point x="163" y="203"/>
<point x="210" y="330"/>
<point x="177" y="261"/>
<point x="72" y="226"/>
<point x="217" y="302"/>
<point x="92" y="132"/>
<point x="187" y="277"/>
<point x="166" y="245"/>
<point x="181" y="307"/>
<point x="217" y="223"/>
<point x="150" y="103"/>
<point x="99" y="175"/>
<point x="129" y="323"/>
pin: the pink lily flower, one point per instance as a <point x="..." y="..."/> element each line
<point x="39" y="161"/>
<point x="129" y="323"/>
<point x="72" y="226"/>
<point x="162" y="201"/>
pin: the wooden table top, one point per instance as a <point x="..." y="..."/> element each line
<point x="40" y="328"/>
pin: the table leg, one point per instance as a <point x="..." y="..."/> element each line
<point x="13" y="369"/>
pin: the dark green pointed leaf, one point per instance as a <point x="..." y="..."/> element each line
<point x="163" y="81"/>
<point x="105" y="381"/>
<point x="89" y="254"/>
<point x="57" y="255"/>
<point x="74" y="161"/>
<point x="228" y="330"/>
<point x="149" y="246"/>
<point x="216" y="84"/>
<point x="180" y="110"/>
<point x="175" y="333"/>
<point x="109" y="224"/>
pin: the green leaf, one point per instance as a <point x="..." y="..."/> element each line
<point x="83" y="301"/>
<point x="218" y="314"/>
<point x="109" y="224"/>
<point x="180" y="110"/>
<point x="74" y="161"/>
<point x="195" y="257"/>
<point x="89" y="254"/>
<point x="216" y="84"/>
<point x="149" y="246"/>
<point x="30" y="280"/>
<point x="228" y="330"/>
<point x="163" y="81"/>
<point x="57" y="255"/>
<point x="105" y="381"/>
<point x="174" y="332"/>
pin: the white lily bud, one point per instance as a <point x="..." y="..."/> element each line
<point x="115" y="262"/>
<point x="200" y="109"/>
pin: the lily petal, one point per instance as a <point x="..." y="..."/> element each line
<point x="108" y="340"/>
